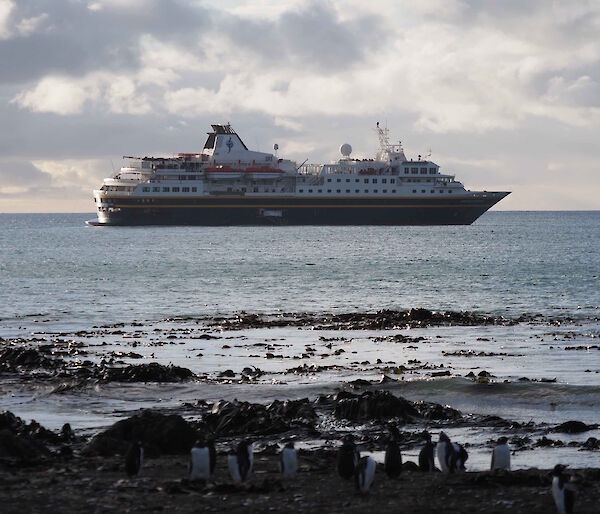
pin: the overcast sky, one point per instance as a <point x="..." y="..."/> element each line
<point x="506" y="94"/>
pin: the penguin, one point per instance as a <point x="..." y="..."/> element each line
<point x="347" y="458"/>
<point x="461" y="457"/>
<point x="202" y="460"/>
<point x="134" y="459"/>
<point x="240" y="461"/>
<point x="446" y="454"/>
<point x="563" y="490"/>
<point x="501" y="455"/>
<point x="288" y="461"/>
<point x="393" y="456"/>
<point x="364" y="474"/>
<point x="426" y="460"/>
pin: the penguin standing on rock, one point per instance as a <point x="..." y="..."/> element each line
<point x="347" y="457"/>
<point x="134" y="459"/>
<point x="202" y="460"/>
<point x="365" y="474"/>
<point x="501" y="455"/>
<point x="240" y="461"/>
<point x="288" y="461"/>
<point x="563" y="490"/>
<point x="393" y="457"/>
<point x="446" y="454"/>
<point x="461" y="457"/>
<point x="426" y="460"/>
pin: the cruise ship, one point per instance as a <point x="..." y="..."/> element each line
<point x="228" y="184"/>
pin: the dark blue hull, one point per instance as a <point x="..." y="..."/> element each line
<point x="234" y="210"/>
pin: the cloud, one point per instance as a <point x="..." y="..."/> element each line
<point x="6" y="9"/>
<point x="93" y="79"/>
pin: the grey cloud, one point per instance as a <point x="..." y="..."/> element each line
<point x="313" y="37"/>
<point x="20" y="173"/>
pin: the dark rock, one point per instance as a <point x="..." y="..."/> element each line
<point x="410" y="466"/>
<point x="158" y="432"/>
<point x="435" y="411"/>
<point x="15" y="425"/>
<point x="21" y="447"/>
<point x="228" y="373"/>
<point x="375" y="405"/>
<point x="573" y="427"/>
<point x="591" y="444"/>
<point x="441" y="373"/>
<point x="14" y="358"/>
<point x="234" y="418"/>
<point x="152" y="372"/>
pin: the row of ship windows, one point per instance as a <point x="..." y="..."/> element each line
<point x="422" y="171"/>
<point x="366" y="180"/>
<point x="367" y="191"/>
<point x="170" y="189"/>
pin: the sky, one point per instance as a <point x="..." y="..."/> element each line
<point x="506" y="95"/>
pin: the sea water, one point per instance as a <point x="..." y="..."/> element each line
<point x="58" y="275"/>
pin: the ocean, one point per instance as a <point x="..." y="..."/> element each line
<point x="59" y="276"/>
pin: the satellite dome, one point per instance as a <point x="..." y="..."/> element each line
<point x="345" y="150"/>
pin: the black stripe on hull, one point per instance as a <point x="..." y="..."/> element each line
<point x="215" y="211"/>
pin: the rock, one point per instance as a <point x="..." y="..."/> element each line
<point x="21" y="447"/>
<point x="591" y="444"/>
<point x="18" y="427"/>
<point x="234" y="418"/>
<point x="374" y="405"/>
<point x="14" y="358"/>
<point x="228" y="373"/>
<point x="410" y="466"/>
<point x="441" y="373"/>
<point x="573" y="427"/>
<point x="435" y="411"/>
<point x="159" y="433"/>
<point x="152" y="372"/>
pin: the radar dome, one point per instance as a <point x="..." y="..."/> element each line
<point x="345" y="149"/>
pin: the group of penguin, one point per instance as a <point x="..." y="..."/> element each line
<point x="451" y="457"/>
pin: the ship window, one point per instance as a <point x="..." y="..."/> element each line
<point x="385" y="191"/>
<point x="347" y="190"/>
<point x="255" y="190"/>
<point x="433" y="190"/>
<point x="194" y="189"/>
<point x="366" y="181"/>
<point x="406" y="171"/>
<point x="432" y="171"/>
<point x="338" y="191"/>
<point x="357" y="180"/>
<point x="146" y="189"/>
<point x="366" y="190"/>
<point x="339" y="179"/>
<point x="384" y="180"/>
<point x="392" y="181"/>
<point x="175" y="190"/>
<point x="374" y="190"/>
<point x="357" y="190"/>
<point x="347" y="180"/>
<point x="310" y="190"/>
<point x="165" y="189"/>
<point x="320" y="190"/>
<point x="185" y="189"/>
<point x="414" y="190"/>
<point x="393" y="190"/>
<point x="301" y="190"/>
<point x="374" y="181"/>
<point x="328" y="180"/>
<point x="414" y="171"/>
<point x="422" y="190"/>
<point x="449" y="190"/>
<point x="155" y="189"/>
<point x="329" y="190"/>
